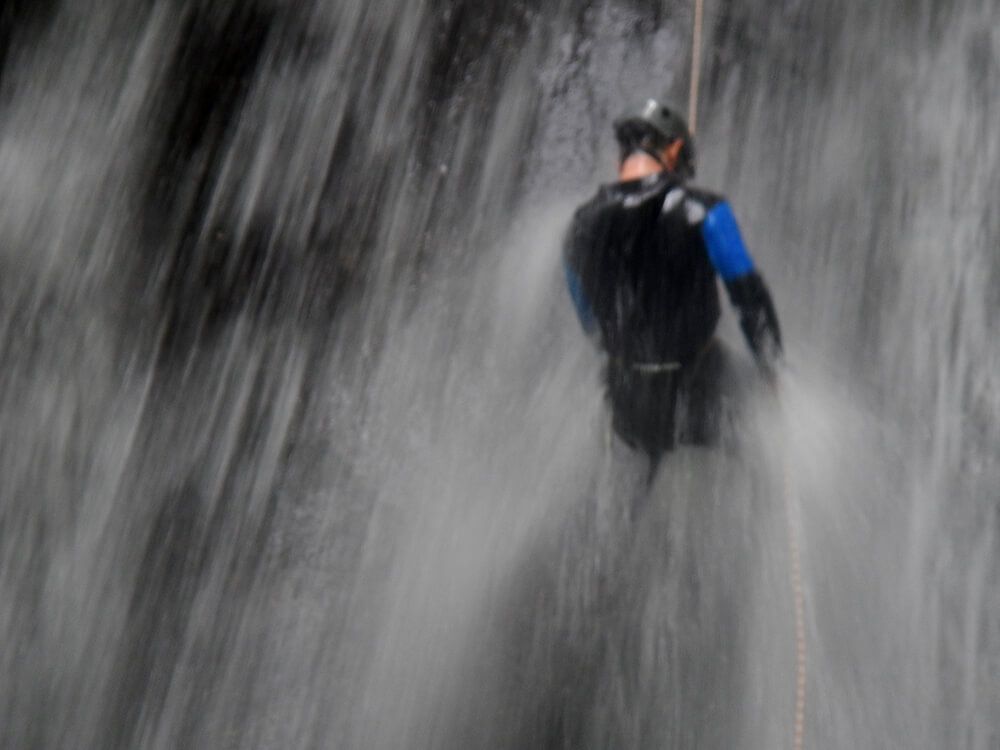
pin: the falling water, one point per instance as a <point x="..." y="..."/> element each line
<point x="302" y="447"/>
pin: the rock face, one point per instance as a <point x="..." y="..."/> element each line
<point x="299" y="446"/>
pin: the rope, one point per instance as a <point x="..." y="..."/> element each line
<point x="699" y="9"/>
<point x="798" y="603"/>
<point x="794" y="548"/>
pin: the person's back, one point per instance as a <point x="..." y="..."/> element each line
<point x="641" y="260"/>
<point x="651" y="287"/>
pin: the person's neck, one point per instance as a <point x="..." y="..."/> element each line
<point x="639" y="165"/>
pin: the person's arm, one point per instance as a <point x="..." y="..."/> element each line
<point x="574" y="281"/>
<point x="581" y="304"/>
<point x="747" y="289"/>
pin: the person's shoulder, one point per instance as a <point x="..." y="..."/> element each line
<point x="706" y="199"/>
<point x="597" y="199"/>
<point x="587" y="219"/>
<point x="605" y="198"/>
<point x="697" y="203"/>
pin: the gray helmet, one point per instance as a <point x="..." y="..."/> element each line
<point x="651" y="128"/>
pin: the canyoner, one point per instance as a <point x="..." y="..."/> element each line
<point x="641" y="260"/>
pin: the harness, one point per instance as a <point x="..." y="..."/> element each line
<point x="656" y="368"/>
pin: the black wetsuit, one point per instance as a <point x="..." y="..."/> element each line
<point x="641" y="261"/>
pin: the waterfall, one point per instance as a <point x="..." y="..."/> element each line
<point x="302" y="446"/>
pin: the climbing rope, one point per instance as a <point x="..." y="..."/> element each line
<point x="794" y="548"/>
<point x="699" y="7"/>
<point x="798" y="604"/>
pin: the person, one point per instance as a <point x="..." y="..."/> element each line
<point x="641" y="260"/>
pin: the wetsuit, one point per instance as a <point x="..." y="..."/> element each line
<point x="641" y="261"/>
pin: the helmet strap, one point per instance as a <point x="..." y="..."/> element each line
<point x="657" y="156"/>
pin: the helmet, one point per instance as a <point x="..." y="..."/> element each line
<point x="651" y="128"/>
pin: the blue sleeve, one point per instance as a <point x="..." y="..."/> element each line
<point x="725" y="245"/>
<point x="583" y="309"/>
